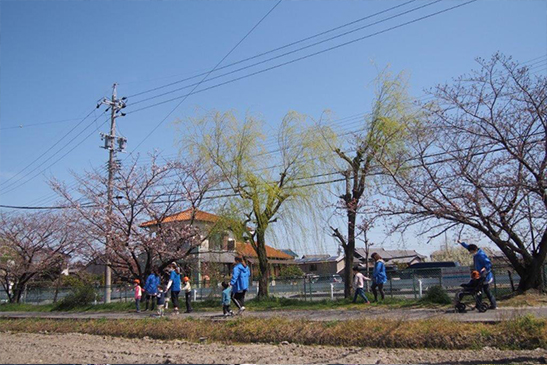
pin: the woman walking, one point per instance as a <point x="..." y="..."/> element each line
<point x="379" y="276"/>
<point x="174" y="285"/>
<point x="240" y="283"/>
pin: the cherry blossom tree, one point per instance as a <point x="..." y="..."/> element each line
<point x="35" y="244"/>
<point x="142" y="193"/>
<point x="479" y="162"/>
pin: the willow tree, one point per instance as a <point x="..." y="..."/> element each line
<point x="264" y="183"/>
<point x="359" y="155"/>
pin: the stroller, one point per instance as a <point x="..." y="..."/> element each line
<point x="474" y="289"/>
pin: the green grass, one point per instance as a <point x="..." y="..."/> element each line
<point x="521" y="333"/>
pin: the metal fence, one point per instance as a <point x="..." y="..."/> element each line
<point x="410" y="284"/>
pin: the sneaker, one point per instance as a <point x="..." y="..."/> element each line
<point x="492" y="307"/>
<point x="241" y="310"/>
<point x="232" y="313"/>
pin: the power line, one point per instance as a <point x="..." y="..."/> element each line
<point x="49" y="149"/>
<point x="303" y="57"/>
<point x="22" y="126"/>
<point x="274" y="50"/>
<point x="204" y="78"/>
<point x="293" y="51"/>
<point x="57" y="160"/>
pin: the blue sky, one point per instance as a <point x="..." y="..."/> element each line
<point x="58" y="58"/>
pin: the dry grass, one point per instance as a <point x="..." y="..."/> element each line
<point x="531" y="298"/>
<point x="521" y="333"/>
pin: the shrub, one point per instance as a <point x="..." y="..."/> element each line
<point x="81" y="296"/>
<point x="437" y="295"/>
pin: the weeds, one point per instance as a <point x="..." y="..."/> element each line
<point x="520" y="333"/>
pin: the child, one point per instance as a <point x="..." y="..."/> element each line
<point x="187" y="292"/>
<point x="138" y="294"/>
<point x="160" y="296"/>
<point x="472" y="284"/>
<point x="226" y="297"/>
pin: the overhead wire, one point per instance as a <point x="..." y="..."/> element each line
<point x="273" y="50"/>
<point x="289" y="52"/>
<point x="205" y="77"/>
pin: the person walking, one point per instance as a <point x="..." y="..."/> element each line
<point x="187" y="294"/>
<point x="174" y="285"/>
<point x="226" y="294"/>
<point x="240" y="283"/>
<point x="138" y="294"/>
<point x="483" y="265"/>
<point x="359" y="285"/>
<point x="379" y="276"/>
<point x="151" y="288"/>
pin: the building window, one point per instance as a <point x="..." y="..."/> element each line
<point x="231" y="245"/>
<point x="313" y="267"/>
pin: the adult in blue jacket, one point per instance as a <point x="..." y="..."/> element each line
<point x="482" y="264"/>
<point x="174" y="285"/>
<point x="379" y="276"/>
<point x="240" y="283"/>
<point x="151" y="288"/>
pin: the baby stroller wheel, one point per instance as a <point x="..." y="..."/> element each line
<point x="460" y="307"/>
<point x="483" y="307"/>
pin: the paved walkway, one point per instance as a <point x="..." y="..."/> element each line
<point x="314" y="315"/>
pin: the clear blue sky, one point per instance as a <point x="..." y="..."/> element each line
<point x="59" y="57"/>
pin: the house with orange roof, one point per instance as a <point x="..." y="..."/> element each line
<point x="215" y="256"/>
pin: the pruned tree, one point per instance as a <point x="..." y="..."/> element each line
<point x="148" y="193"/>
<point x="264" y="186"/>
<point x="359" y="156"/>
<point x="32" y="245"/>
<point x="479" y="162"/>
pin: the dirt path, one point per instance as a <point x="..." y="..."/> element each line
<point x="80" y="348"/>
<point x="317" y="315"/>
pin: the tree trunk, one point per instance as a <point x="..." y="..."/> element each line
<point x="263" y="282"/>
<point x="349" y="250"/>
<point x="532" y="277"/>
<point x="17" y="293"/>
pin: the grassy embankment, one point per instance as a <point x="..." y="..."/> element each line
<point x="520" y="333"/>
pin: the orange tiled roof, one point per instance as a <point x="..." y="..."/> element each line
<point x="245" y="249"/>
<point x="184" y="216"/>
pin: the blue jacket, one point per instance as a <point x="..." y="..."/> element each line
<point x="379" y="273"/>
<point x="481" y="261"/>
<point x="226" y="296"/>
<point x="175" y="278"/>
<point x="151" y="285"/>
<point x="240" y="278"/>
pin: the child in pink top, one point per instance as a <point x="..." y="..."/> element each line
<point x="138" y="294"/>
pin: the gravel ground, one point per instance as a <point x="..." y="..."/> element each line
<point x="81" y="348"/>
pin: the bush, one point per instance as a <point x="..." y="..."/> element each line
<point x="437" y="295"/>
<point x="81" y="296"/>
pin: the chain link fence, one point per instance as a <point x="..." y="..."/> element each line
<point x="407" y="284"/>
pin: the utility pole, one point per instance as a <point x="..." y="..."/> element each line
<point x="115" y="107"/>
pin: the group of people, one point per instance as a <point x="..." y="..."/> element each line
<point x="155" y="293"/>
<point x="379" y="277"/>
<point x="481" y="263"/>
